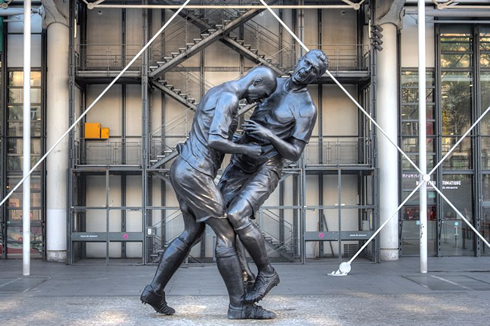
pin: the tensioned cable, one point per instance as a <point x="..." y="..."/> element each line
<point x="386" y="222"/>
<point x="343" y="89"/>
<point x="459" y="213"/>
<point x="459" y="141"/>
<point x="95" y="102"/>
<point x="389" y="139"/>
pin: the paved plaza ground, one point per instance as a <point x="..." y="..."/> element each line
<point x="455" y="291"/>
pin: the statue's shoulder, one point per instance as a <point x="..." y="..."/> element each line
<point x="308" y="109"/>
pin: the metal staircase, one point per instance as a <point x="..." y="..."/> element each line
<point x="214" y="31"/>
<point x="210" y="35"/>
<point x="284" y="247"/>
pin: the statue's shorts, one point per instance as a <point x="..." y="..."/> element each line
<point x="197" y="193"/>
<point x="255" y="187"/>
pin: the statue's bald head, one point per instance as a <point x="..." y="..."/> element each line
<point x="262" y="83"/>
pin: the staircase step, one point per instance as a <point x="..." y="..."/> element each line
<point x="153" y="67"/>
<point x="184" y="95"/>
<point x="197" y="40"/>
<point x="268" y="60"/>
<point x="241" y="42"/>
<point x="160" y="62"/>
<point x="204" y="35"/>
<point x="212" y="30"/>
<point x="248" y="46"/>
<point x="226" y="21"/>
<point x="182" y="50"/>
<point x="174" y="54"/>
<point x="219" y="26"/>
<point x="192" y="100"/>
<point x="178" y="91"/>
<point x="189" y="45"/>
<point x="262" y="56"/>
<point x="254" y="51"/>
<point x="168" y="58"/>
<point x="170" y="86"/>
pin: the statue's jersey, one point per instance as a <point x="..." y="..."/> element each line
<point x="288" y="114"/>
<point x="208" y="120"/>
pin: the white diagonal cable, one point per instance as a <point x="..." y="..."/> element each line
<point x="96" y="100"/>
<point x="389" y="139"/>
<point x="459" y="213"/>
<point x="459" y="141"/>
<point x="343" y="89"/>
<point x="386" y="222"/>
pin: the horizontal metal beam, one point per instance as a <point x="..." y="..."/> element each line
<point x="222" y="6"/>
<point x="334" y="235"/>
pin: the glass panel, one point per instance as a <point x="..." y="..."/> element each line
<point x="411" y="145"/>
<point x="456" y="237"/>
<point x="14" y="163"/>
<point x="15" y="215"/>
<point x="411" y="79"/>
<point x="485" y="60"/>
<point x="15" y="146"/>
<point x="485" y="158"/>
<point x="456" y="42"/>
<point x="14" y="242"/>
<point x="484" y="38"/>
<point x="485" y="101"/>
<point x="16" y="128"/>
<point x="410" y="231"/>
<point x="16" y="112"/>
<point x="16" y="95"/>
<point x="412" y="128"/>
<point x="411" y="111"/>
<point x="16" y="78"/>
<point x="486" y="187"/>
<point x="411" y="95"/>
<point x="456" y="102"/>
<point x="415" y="158"/>
<point x="459" y="158"/>
<point x="460" y="60"/>
<point x="485" y="229"/>
<point x="15" y="53"/>
<point x="13" y="180"/>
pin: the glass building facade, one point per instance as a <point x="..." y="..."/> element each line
<point x="457" y="95"/>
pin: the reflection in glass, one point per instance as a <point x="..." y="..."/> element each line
<point x="16" y="95"/>
<point x="456" y="237"/>
<point x="485" y="46"/>
<point x="460" y="158"/>
<point x="460" y="60"/>
<point x="456" y="102"/>
<point x="411" y="111"/>
<point x="415" y="158"/>
<point x="16" y="78"/>
<point x="456" y="42"/>
<point x="411" y="128"/>
<point x="411" y="145"/>
<point x="486" y="187"/>
<point x="14" y="241"/>
<point x="410" y="231"/>
<point x="485" y="229"/>
<point x="485" y="101"/>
